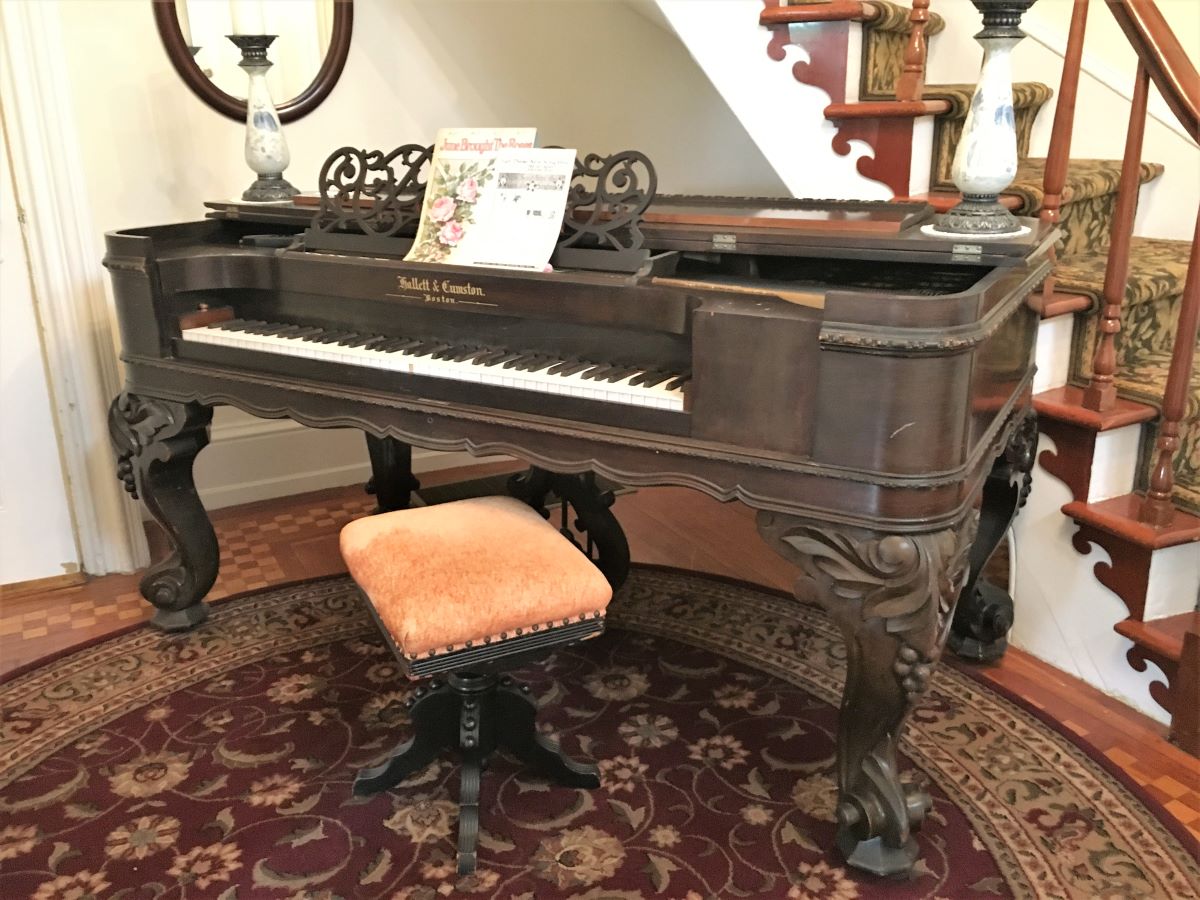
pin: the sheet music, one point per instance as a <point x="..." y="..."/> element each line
<point x="493" y="200"/>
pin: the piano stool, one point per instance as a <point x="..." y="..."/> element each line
<point x="468" y="590"/>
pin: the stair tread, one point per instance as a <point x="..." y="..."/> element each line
<point x="1162" y="635"/>
<point x="1119" y="516"/>
<point x="1086" y="178"/>
<point x="1066" y="404"/>
<point x="1026" y="94"/>
<point x="1157" y="270"/>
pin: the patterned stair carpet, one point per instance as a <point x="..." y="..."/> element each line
<point x="218" y="764"/>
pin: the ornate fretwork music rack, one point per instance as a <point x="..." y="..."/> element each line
<point x="370" y="202"/>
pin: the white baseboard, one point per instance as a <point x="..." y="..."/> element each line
<point x="259" y="459"/>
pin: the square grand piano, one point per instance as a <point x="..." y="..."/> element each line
<point x="864" y="386"/>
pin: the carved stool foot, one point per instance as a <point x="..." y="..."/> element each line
<point x="434" y="716"/>
<point x="518" y="733"/>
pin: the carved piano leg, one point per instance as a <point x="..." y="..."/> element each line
<point x="392" y="480"/>
<point x="156" y="442"/>
<point x="591" y="507"/>
<point x="985" y="612"/>
<point x="893" y="597"/>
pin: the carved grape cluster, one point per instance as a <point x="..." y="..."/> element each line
<point x="913" y="668"/>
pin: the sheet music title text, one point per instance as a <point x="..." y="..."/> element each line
<point x="486" y="146"/>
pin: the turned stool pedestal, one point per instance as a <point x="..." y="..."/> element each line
<point x="464" y="591"/>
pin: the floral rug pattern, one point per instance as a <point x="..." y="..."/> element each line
<point x="219" y="764"/>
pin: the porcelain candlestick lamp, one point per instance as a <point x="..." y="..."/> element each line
<point x="266" y="148"/>
<point x="985" y="162"/>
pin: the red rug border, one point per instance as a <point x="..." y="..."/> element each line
<point x="1168" y="821"/>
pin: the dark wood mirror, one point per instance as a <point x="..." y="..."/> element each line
<point x="177" y="39"/>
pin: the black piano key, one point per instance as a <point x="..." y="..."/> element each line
<point x="596" y="372"/>
<point x="465" y="353"/>
<point x="574" y="367"/>
<point x="619" y="373"/>
<point x="258" y="327"/>
<point x="504" y="358"/>
<point x="330" y="337"/>
<point x="391" y="345"/>
<point x="488" y="356"/>
<point x="448" y="352"/>
<point x="537" y="363"/>
<point x="561" y="364"/>
<point x="653" y="378"/>
<point x="231" y="325"/>
<point x="408" y="344"/>
<point x="516" y="360"/>
<point x="678" y="382"/>
<point x="373" y="343"/>
<point x="354" y="340"/>
<point x="641" y="377"/>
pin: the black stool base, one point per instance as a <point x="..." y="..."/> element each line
<point x="474" y="714"/>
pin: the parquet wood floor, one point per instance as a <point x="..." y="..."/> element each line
<point x="295" y="538"/>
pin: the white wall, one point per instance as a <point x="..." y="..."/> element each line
<point x="785" y="117"/>
<point x="591" y="75"/>
<point x="36" y="534"/>
<point x="1168" y="205"/>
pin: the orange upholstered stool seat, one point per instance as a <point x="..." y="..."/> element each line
<point x="477" y="572"/>
<point x="469" y="589"/>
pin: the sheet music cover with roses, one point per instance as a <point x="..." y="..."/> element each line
<point x="493" y="199"/>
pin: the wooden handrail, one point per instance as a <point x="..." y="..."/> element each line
<point x="1164" y="58"/>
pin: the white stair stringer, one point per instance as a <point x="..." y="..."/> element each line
<point x="1062" y="614"/>
<point x="785" y="118"/>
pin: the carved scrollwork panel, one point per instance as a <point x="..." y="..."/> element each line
<point x="607" y="198"/>
<point x="371" y="192"/>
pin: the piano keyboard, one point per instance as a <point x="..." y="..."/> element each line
<point x="526" y="371"/>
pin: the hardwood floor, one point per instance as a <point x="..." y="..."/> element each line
<point x="283" y="540"/>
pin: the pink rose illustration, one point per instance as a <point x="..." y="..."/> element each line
<point x="442" y="209"/>
<point x="451" y="234"/>
<point x="468" y="191"/>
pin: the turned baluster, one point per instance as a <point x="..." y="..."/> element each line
<point x="911" y="84"/>
<point x="1101" y="394"/>
<point x="1059" y="153"/>
<point x="1157" y="508"/>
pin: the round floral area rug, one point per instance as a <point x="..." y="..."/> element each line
<point x="219" y="764"/>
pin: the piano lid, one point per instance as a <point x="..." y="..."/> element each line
<point x="615" y="219"/>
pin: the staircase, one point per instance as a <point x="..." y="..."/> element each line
<point x="1090" y="548"/>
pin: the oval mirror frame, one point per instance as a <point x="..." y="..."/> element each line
<point x="167" y="22"/>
